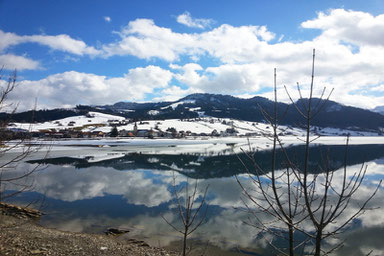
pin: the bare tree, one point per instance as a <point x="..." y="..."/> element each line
<point x="299" y="200"/>
<point x="190" y="214"/>
<point x="14" y="149"/>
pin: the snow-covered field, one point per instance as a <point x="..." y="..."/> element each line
<point x="103" y="122"/>
<point x="94" y="121"/>
<point x="99" y="122"/>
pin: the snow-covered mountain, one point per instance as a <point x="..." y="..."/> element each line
<point x="329" y="114"/>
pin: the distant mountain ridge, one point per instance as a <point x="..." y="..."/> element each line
<point x="379" y="109"/>
<point x="331" y="114"/>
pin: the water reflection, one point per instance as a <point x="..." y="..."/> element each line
<point x="215" y="166"/>
<point x="133" y="190"/>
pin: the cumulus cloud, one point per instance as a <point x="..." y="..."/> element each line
<point x="227" y="78"/>
<point x="107" y="19"/>
<point x="360" y="28"/>
<point x="189" y="74"/>
<point x="144" y="39"/>
<point x="8" y="40"/>
<point x="72" y="88"/>
<point x="10" y="61"/>
<point x="245" y="77"/>
<point x="188" y="21"/>
<point x="60" y="42"/>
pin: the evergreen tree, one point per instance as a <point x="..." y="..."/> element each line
<point x="114" y="132"/>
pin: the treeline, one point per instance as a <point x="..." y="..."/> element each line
<point x="40" y="116"/>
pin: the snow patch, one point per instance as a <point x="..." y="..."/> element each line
<point x="334" y="108"/>
<point x="153" y="112"/>
<point x="175" y="105"/>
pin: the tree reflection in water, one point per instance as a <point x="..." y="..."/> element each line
<point x="133" y="191"/>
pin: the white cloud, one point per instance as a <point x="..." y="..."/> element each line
<point x="62" y="43"/>
<point x="10" y="61"/>
<point x="145" y="40"/>
<point x="233" y="79"/>
<point x="189" y="74"/>
<point x="360" y="28"/>
<point x="107" y="19"/>
<point x="188" y="21"/>
<point x="60" y="183"/>
<point x="8" y="40"/>
<point x="58" y="42"/>
<point x="174" y="93"/>
<point x="227" y="78"/>
<point x="379" y="88"/>
<point x="72" y="88"/>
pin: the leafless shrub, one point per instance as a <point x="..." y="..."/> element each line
<point x="191" y="210"/>
<point x="298" y="201"/>
<point x="13" y="151"/>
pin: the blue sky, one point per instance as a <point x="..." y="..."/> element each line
<point x="101" y="52"/>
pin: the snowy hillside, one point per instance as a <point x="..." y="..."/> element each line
<point x="95" y="121"/>
<point x="99" y="122"/>
<point x="83" y="122"/>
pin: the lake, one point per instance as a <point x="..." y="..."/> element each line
<point x="89" y="189"/>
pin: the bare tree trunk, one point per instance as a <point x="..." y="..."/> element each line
<point x="319" y="239"/>
<point x="291" y="240"/>
<point x="185" y="241"/>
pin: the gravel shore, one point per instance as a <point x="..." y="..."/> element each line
<point x="24" y="237"/>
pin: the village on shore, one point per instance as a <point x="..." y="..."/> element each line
<point x="99" y="125"/>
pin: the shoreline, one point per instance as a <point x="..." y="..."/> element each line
<point x="23" y="236"/>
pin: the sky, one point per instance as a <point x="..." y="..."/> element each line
<point x="97" y="52"/>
